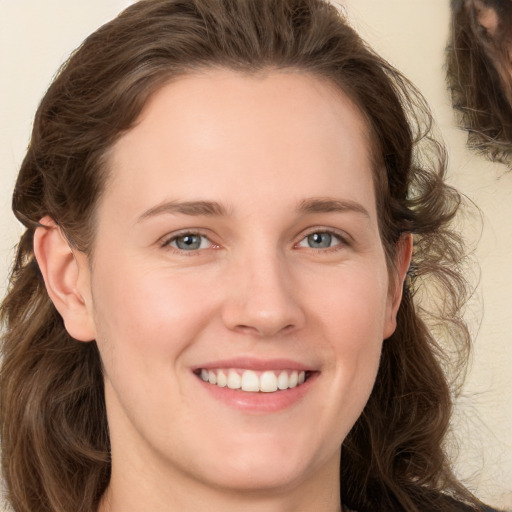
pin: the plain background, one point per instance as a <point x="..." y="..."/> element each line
<point x="36" y="36"/>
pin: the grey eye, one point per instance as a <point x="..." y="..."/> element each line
<point x="319" y="240"/>
<point x="189" y="242"/>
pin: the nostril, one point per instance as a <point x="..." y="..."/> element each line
<point x="263" y="309"/>
<point x="264" y="330"/>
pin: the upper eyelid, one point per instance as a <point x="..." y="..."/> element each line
<point x="167" y="239"/>
<point x="341" y="234"/>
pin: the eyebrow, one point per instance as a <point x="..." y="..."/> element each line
<point x="329" y="205"/>
<point x="215" y="209"/>
<point x="194" y="208"/>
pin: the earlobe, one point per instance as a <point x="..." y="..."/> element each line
<point x="403" y="256"/>
<point x="64" y="279"/>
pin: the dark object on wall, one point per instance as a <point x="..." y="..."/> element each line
<point x="479" y="74"/>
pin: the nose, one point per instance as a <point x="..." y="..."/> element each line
<point x="263" y="299"/>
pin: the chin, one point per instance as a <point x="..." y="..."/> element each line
<point x="259" y="478"/>
<point x="267" y="468"/>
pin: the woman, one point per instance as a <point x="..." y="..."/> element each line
<point x="208" y="306"/>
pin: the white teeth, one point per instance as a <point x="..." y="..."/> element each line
<point x="253" y="382"/>
<point x="250" y="381"/>
<point x="222" y="380"/>
<point x="268" y="382"/>
<point x="234" y="380"/>
<point x="282" y="381"/>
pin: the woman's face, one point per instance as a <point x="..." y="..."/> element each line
<point x="237" y="242"/>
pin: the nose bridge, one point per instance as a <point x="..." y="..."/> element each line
<point x="261" y="297"/>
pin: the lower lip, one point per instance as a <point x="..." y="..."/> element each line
<point x="260" y="402"/>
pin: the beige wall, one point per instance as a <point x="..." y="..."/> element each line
<point x="37" y="35"/>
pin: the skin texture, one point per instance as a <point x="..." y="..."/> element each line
<point x="259" y="147"/>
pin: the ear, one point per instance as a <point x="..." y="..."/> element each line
<point x="403" y="255"/>
<point x="67" y="277"/>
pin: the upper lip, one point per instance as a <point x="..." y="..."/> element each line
<point x="250" y="363"/>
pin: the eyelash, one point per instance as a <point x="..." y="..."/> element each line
<point x="341" y="238"/>
<point x="166" y="243"/>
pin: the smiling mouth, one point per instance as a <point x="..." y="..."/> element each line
<point x="254" y="381"/>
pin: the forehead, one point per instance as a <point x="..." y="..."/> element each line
<point x="225" y="133"/>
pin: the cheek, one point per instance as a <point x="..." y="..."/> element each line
<point x="349" y="319"/>
<point x="140" y="312"/>
<point x="353" y="303"/>
<point x="351" y="314"/>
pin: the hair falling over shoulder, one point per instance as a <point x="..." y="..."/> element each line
<point x="55" y="441"/>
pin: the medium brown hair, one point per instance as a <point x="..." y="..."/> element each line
<point x="479" y="76"/>
<point x="53" y="421"/>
